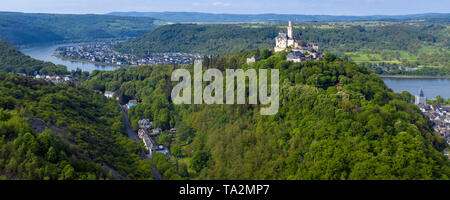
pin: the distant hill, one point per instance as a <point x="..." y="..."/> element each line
<point x="380" y="45"/>
<point x="12" y="60"/>
<point x="207" y="39"/>
<point x="25" y="28"/>
<point x="218" y="18"/>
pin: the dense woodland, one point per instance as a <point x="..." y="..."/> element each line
<point x="381" y="45"/>
<point x="27" y="28"/>
<point x="337" y="120"/>
<point x="12" y="60"/>
<point x="60" y="131"/>
<point x="63" y="132"/>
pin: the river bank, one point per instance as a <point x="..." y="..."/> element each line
<point x="91" y="62"/>
<point x="431" y="86"/>
<point x="46" y="53"/>
<point x="412" y="76"/>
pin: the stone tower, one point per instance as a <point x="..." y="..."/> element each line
<point x="290" y="30"/>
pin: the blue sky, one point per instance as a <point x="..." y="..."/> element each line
<point x="328" y="7"/>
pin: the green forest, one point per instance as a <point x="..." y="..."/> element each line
<point x="337" y="121"/>
<point x="63" y="132"/>
<point x="421" y="48"/>
<point x="30" y="29"/>
<point x="12" y="60"/>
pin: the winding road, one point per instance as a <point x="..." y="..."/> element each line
<point x="133" y="136"/>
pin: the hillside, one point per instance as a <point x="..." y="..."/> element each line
<point x="221" y="18"/>
<point x="336" y="120"/>
<point x="26" y="29"/>
<point x="62" y="132"/>
<point x="206" y="39"/>
<point x="12" y="60"/>
<point x="381" y="46"/>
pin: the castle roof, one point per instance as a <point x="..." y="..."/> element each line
<point x="282" y="35"/>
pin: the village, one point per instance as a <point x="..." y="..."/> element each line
<point x="56" y="79"/>
<point x="438" y="114"/>
<point x="103" y="53"/>
<point x="53" y="78"/>
<point x="147" y="132"/>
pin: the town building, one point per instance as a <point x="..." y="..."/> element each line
<point x="439" y="115"/>
<point x="156" y="131"/>
<point x="253" y="59"/>
<point x="109" y="94"/>
<point x="295" y="56"/>
<point x="142" y="132"/>
<point x="421" y="99"/>
<point x="145" y="123"/>
<point x="131" y="103"/>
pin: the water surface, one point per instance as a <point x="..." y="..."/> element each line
<point x="45" y="53"/>
<point x="431" y="86"/>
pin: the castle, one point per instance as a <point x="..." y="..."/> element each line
<point x="300" y="51"/>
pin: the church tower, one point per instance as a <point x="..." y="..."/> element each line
<point x="421" y="99"/>
<point x="289" y="31"/>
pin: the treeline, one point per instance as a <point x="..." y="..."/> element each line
<point x="63" y="132"/>
<point x="337" y="120"/>
<point x="27" y="28"/>
<point x="206" y="39"/>
<point x="427" y="42"/>
<point x="12" y="60"/>
<point x="218" y="38"/>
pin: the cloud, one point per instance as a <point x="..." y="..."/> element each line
<point x="222" y="4"/>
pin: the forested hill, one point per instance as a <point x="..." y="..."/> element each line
<point x="63" y="132"/>
<point x="207" y="39"/>
<point x="12" y="60"/>
<point x="27" y="28"/>
<point x="383" y="46"/>
<point x="221" y="18"/>
<point x="336" y="121"/>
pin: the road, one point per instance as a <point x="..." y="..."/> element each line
<point x="133" y="136"/>
<point x="127" y="124"/>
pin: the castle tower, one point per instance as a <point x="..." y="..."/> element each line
<point x="290" y="30"/>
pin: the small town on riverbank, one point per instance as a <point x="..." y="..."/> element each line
<point x="103" y="53"/>
<point x="438" y="114"/>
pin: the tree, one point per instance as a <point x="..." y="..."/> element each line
<point x="199" y="161"/>
<point x="266" y="53"/>
<point x="52" y="155"/>
<point x="68" y="173"/>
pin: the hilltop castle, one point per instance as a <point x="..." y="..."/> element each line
<point x="300" y="50"/>
<point x="284" y="41"/>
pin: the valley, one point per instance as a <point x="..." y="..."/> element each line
<point x="76" y="104"/>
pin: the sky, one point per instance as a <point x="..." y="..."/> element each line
<point x="326" y="7"/>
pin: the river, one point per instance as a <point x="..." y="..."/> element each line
<point x="45" y="53"/>
<point x="431" y="86"/>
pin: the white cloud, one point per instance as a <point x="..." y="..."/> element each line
<point x="218" y="3"/>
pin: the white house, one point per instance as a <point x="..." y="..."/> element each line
<point x="109" y="94"/>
